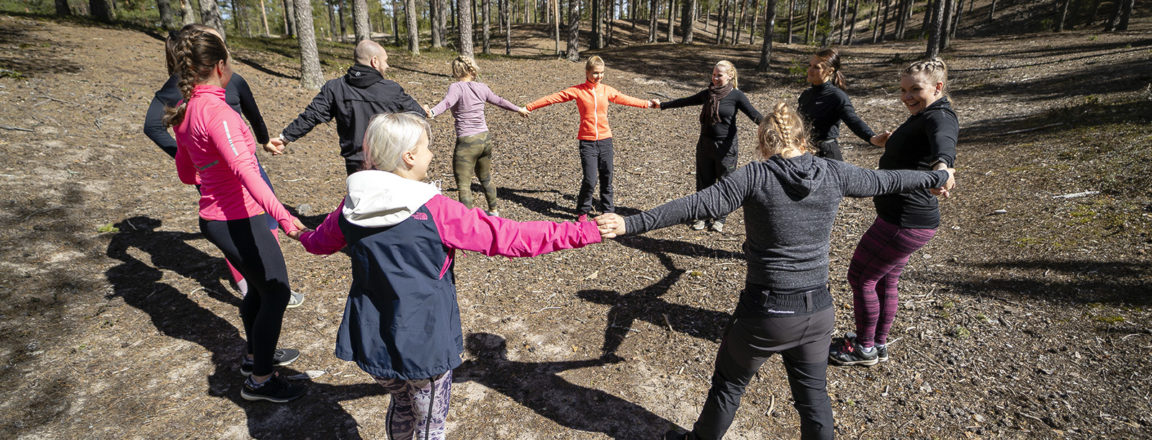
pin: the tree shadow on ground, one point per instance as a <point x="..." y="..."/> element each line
<point x="28" y="55"/>
<point x="648" y="305"/>
<point x="175" y="314"/>
<point x="1127" y="76"/>
<point x="691" y="66"/>
<point x="539" y="387"/>
<point x="1090" y="113"/>
<point x="1115" y="282"/>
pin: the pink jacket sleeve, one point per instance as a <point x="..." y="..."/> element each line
<point x="234" y="145"/>
<point x="327" y="238"/>
<point x="472" y="230"/>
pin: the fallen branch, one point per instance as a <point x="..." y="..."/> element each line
<point x="547" y="308"/>
<point x="1076" y="195"/>
<point x="771" y="405"/>
<point x="9" y="127"/>
<point x="668" y="323"/>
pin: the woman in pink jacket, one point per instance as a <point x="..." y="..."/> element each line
<point x="214" y="143"/>
<point x="401" y="322"/>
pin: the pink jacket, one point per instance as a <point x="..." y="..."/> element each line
<point x="214" y="143"/>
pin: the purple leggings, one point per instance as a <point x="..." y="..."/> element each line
<point x="875" y="269"/>
<point x="418" y="408"/>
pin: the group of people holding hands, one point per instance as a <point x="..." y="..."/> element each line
<point x="401" y="322"/>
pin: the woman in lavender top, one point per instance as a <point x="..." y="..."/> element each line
<point x="473" y="154"/>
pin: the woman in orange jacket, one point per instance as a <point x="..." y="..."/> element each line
<point x="592" y="98"/>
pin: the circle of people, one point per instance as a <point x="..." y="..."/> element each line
<point x="401" y="323"/>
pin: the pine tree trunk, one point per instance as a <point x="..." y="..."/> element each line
<point x="434" y="11"/>
<point x="632" y="14"/>
<point x="464" y="25"/>
<point x="927" y="23"/>
<point x="311" y="77"/>
<point x="831" y="20"/>
<point x="395" y="23"/>
<point x="755" y="21"/>
<point x="991" y="10"/>
<point x="956" y="19"/>
<point x="791" y="4"/>
<point x="946" y="23"/>
<point x="876" y="23"/>
<point x="505" y="17"/>
<point x="485" y="8"/>
<point x="187" y="14"/>
<point x="360" y="20"/>
<point x="688" y="21"/>
<point x="671" y="19"/>
<point x="1095" y="11"/>
<point x="852" y="27"/>
<point x="610" y="19"/>
<point x="739" y="22"/>
<point x="341" y="8"/>
<point x="101" y="10"/>
<point x="264" y="19"/>
<point x="1126" y="7"/>
<point x="651" y="21"/>
<point x="934" y="28"/>
<point x="843" y="22"/>
<point x="413" y="30"/>
<point x="235" y="16"/>
<point x="573" y="51"/>
<point x="594" y="17"/>
<point x="766" y="47"/>
<point x="209" y="15"/>
<point x="884" y="20"/>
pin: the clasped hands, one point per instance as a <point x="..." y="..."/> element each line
<point x="610" y="225"/>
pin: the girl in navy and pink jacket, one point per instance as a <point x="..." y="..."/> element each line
<point x="402" y="322"/>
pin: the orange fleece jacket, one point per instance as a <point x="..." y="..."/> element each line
<point x="593" y="104"/>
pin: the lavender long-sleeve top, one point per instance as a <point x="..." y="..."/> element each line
<point x="466" y="99"/>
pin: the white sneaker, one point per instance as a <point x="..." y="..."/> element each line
<point x="718" y="226"/>
<point x="295" y="300"/>
<point x="494" y="213"/>
<point x="698" y="226"/>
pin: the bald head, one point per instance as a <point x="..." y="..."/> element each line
<point x="367" y="49"/>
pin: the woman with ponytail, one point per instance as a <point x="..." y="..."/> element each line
<point x="904" y="222"/>
<point x="239" y="97"/>
<point x="790" y="200"/>
<point x="825" y="104"/>
<point x="216" y="150"/>
<point x="716" y="150"/>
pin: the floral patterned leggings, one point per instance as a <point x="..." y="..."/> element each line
<point x="419" y="407"/>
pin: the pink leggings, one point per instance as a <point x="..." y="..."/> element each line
<point x="873" y="274"/>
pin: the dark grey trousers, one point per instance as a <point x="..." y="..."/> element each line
<point x="714" y="159"/>
<point x="596" y="159"/>
<point x="802" y="338"/>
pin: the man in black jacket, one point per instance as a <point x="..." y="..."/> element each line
<point x="353" y="100"/>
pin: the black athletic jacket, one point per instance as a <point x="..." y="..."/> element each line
<point x="824" y="106"/>
<point x="237" y="94"/>
<point x="725" y="130"/>
<point x="919" y="143"/>
<point x="352" y="100"/>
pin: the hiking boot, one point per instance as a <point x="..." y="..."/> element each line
<point x="282" y="356"/>
<point x="295" y="299"/>
<point x="846" y="351"/>
<point x="717" y="226"/>
<point x="698" y="225"/>
<point x="882" y="353"/>
<point x="274" y="389"/>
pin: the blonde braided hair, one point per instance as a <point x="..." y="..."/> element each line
<point x="784" y="133"/>
<point x="933" y="70"/>
<point x="196" y="52"/>
<point x="465" y="66"/>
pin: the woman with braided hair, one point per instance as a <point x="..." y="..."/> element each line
<point x="216" y="150"/>
<point x="790" y="201"/>
<point x="239" y="97"/>
<point x="904" y="222"/>
<point x="825" y="104"/>
<point x="716" y="150"/>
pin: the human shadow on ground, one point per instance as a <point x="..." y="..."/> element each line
<point x="539" y="387"/>
<point x="647" y="304"/>
<point x="1114" y="282"/>
<point x="175" y="314"/>
<point x="546" y="207"/>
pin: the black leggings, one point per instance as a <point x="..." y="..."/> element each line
<point x="802" y="339"/>
<point x="714" y="160"/>
<point x="253" y="250"/>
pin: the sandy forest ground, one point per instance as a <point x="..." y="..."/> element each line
<point x="1027" y="316"/>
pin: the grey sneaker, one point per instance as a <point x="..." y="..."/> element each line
<point x="882" y="353"/>
<point x="274" y="389"/>
<point x="494" y="213"/>
<point x="846" y="351"/>
<point x="282" y="356"/>
<point x="698" y="225"/>
<point x="718" y="226"/>
<point x="295" y="300"/>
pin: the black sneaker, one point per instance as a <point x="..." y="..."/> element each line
<point x="677" y="434"/>
<point x="274" y="389"/>
<point x="846" y="351"/>
<point x="282" y="356"/>
<point x="882" y="353"/>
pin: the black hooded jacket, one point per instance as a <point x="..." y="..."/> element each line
<point x="789" y="207"/>
<point x="919" y="143"/>
<point x="352" y="100"/>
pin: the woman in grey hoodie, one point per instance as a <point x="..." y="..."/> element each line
<point x="790" y="201"/>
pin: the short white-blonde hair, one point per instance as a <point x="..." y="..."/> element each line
<point x="389" y="136"/>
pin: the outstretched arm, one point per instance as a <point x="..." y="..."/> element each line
<point x="616" y="97"/>
<point x="318" y="112"/>
<point x="860" y="182"/>
<point x="715" y="201"/>
<point x="854" y="123"/>
<point x="250" y="109"/>
<point x="697" y="99"/>
<point x="472" y="230"/>
<point x="231" y="142"/>
<point x="555" y="98"/>
<point x="327" y="238"/>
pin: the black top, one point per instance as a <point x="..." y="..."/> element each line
<point x="237" y="94"/>
<point x="824" y="106"/>
<point x="789" y="207"/>
<point x="725" y="130"/>
<point x="919" y="143"/>
<point x="352" y="100"/>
